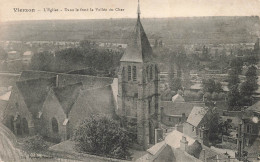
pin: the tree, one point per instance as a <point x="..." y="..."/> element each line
<point x="215" y="96"/>
<point x="156" y="43"/>
<point x="42" y="61"/>
<point x="176" y="84"/>
<point x="211" y="86"/>
<point x="234" y="98"/>
<point x="167" y="95"/>
<point x="233" y="78"/>
<point x="103" y="136"/>
<point x="34" y="144"/>
<point x="249" y="86"/>
<point x="207" y="96"/>
<point x="222" y="96"/>
<point x="3" y="54"/>
<point x="236" y="65"/>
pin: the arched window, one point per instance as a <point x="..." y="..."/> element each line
<point x="54" y="124"/>
<point x="134" y="73"/>
<point x="18" y="125"/>
<point x="129" y="73"/>
<point x="25" y="126"/>
<point x="123" y="73"/>
<point x="12" y="123"/>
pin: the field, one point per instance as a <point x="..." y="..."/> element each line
<point x="171" y="30"/>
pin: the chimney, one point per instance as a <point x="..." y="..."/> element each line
<point x="183" y="143"/>
<point x="176" y="127"/>
<point x="158" y="135"/>
<point x="57" y="80"/>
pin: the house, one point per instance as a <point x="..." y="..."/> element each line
<point x="198" y="124"/>
<point x="249" y="131"/>
<point x="176" y="111"/>
<point x="14" y="55"/>
<point x="27" y="56"/>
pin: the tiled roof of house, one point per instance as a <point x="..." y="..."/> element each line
<point x="178" y="108"/>
<point x="138" y="48"/>
<point x="177" y="98"/>
<point x="67" y="95"/>
<point x="34" y="92"/>
<point x="196" y="115"/>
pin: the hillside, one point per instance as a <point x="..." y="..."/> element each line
<point x="171" y="30"/>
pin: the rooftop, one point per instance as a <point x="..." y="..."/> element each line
<point x="196" y="115"/>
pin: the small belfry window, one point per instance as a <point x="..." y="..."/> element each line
<point x="129" y="72"/>
<point x="134" y="73"/>
<point x="151" y="72"/>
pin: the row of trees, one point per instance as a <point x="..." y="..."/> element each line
<point x="87" y="55"/>
<point x="240" y="94"/>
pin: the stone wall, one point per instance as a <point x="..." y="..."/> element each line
<point x="17" y="107"/>
<point x="52" y="109"/>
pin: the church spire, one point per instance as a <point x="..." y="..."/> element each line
<point x="138" y="47"/>
<point x="138" y="10"/>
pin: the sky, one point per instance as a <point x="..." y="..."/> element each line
<point x="149" y="9"/>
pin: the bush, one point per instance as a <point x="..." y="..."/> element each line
<point x="102" y="136"/>
<point x="215" y="96"/>
<point x="34" y="144"/>
<point x="207" y="96"/>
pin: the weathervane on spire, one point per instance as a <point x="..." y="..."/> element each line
<point x="138" y="10"/>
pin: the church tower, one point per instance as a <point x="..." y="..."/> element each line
<point x="138" y="96"/>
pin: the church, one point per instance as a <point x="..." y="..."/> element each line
<point x="53" y="104"/>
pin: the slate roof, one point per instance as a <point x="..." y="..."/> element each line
<point x="138" y="48"/>
<point x="96" y="101"/>
<point x="196" y="115"/>
<point x="178" y="108"/>
<point x="255" y="107"/>
<point x="67" y="95"/>
<point x="34" y="92"/>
